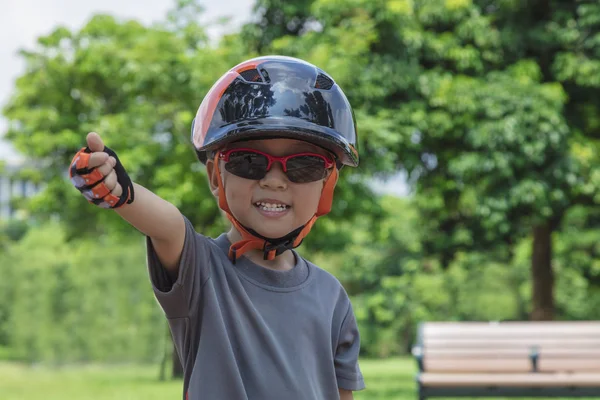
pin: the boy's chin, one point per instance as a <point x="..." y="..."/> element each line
<point x="272" y="233"/>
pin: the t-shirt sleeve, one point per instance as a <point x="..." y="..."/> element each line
<point x="347" y="370"/>
<point x="178" y="299"/>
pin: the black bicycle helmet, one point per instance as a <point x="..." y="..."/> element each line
<point x="276" y="96"/>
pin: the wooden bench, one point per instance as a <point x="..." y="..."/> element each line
<point x="525" y="359"/>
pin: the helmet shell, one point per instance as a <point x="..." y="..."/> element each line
<point x="276" y="97"/>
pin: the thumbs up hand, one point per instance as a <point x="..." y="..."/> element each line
<point x="99" y="175"/>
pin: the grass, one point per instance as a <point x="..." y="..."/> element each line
<point x="18" y="382"/>
<point x="391" y="379"/>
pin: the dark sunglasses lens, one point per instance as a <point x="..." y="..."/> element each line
<point x="303" y="169"/>
<point x="247" y="165"/>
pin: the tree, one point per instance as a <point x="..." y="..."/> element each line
<point x="276" y="18"/>
<point x="489" y="106"/>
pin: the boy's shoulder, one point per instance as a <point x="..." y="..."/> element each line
<point x="325" y="279"/>
<point x="332" y="292"/>
<point x="327" y="276"/>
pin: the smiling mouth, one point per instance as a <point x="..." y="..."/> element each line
<point x="271" y="207"/>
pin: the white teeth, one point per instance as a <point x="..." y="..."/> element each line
<point x="271" y="207"/>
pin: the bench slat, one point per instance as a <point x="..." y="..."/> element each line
<point x="476" y="353"/>
<point x="510" y="380"/>
<point x="537" y="329"/>
<point x="549" y="352"/>
<point x="546" y="352"/>
<point x="477" y="365"/>
<point x="593" y="343"/>
<point x="513" y="327"/>
<point x="568" y="365"/>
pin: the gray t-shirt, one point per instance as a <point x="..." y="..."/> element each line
<point x="245" y="332"/>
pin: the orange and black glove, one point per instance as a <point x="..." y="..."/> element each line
<point x="90" y="181"/>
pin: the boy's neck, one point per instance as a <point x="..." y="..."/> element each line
<point x="282" y="262"/>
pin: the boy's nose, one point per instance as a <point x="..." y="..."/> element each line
<point x="275" y="177"/>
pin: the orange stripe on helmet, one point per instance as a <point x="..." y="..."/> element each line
<point x="209" y="104"/>
<point x="208" y="107"/>
<point x="245" y="66"/>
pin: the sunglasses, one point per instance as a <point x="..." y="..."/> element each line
<point x="254" y="164"/>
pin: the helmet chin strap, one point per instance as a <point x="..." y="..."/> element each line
<point x="271" y="248"/>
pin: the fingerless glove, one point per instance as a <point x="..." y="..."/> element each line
<point x="90" y="181"/>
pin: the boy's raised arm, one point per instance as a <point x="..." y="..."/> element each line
<point x="159" y="220"/>
<point x="150" y="214"/>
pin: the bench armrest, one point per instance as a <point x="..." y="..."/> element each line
<point x="417" y="352"/>
<point x="534" y="356"/>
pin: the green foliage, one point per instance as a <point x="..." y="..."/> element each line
<point x="578" y="264"/>
<point x="276" y="18"/>
<point x="78" y="301"/>
<point x="395" y="286"/>
<point x="13" y="229"/>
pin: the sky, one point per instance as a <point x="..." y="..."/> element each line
<point x="22" y="21"/>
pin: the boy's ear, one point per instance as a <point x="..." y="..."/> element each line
<point x="213" y="177"/>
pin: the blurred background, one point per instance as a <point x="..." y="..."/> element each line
<point x="477" y="197"/>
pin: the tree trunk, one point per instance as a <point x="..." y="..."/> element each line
<point x="177" y="367"/>
<point x="542" y="274"/>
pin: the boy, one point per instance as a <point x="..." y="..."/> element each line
<point x="250" y="318"/>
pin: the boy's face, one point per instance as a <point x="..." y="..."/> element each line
<point x="272" y="206"/>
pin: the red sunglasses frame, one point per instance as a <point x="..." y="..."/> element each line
<point x="282" y="160"/>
